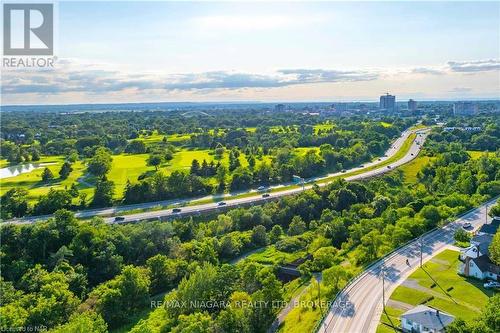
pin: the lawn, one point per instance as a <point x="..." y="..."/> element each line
<point x="389" y="318"/>
<point x="32" y="181"/>
<point x="273" y="256"/>
<point x="127" y="166"/>
<point x="411" y="169"/>
<point x="438" y="285"/>
<point x="305" y="316"/>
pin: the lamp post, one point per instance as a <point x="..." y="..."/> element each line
<point x="421" y="250"/>
<point x="382" y="273"/>
<point x="486" y="215"/>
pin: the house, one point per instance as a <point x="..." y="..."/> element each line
<point x="481" y="268"/>
<point x="425" y="319"/>
<point x="479" y="247"/>
<point x="475" y="258"/>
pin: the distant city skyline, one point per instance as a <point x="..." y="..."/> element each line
<point x="115" y="52"/>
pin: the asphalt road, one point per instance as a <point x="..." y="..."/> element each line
<point x="357" y="309"/>
<point x="256" y="198"/>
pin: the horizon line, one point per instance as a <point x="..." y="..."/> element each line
<point x="480" y="99"/>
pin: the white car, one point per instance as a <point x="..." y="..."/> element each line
<point x="492" y="284"/>
<point x="467" y="225"/>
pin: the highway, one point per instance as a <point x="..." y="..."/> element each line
<point x="360" y="302"/>
<point x="188" y="206"/>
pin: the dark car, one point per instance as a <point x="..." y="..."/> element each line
<point x="176" y="210"/>
<point x="119" y="218"/>
<point x="266" y="195"/>
<point x="388" y="167"/>
<point x="222" y="203"/>
<point x="343" y="170"/>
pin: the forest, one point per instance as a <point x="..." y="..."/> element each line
<point x="72" y="275"/>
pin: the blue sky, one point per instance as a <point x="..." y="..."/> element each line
<point x="167" y="51"/>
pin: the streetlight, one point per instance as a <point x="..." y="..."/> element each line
<point x="421" y="250"/>
<point x="382" y="274"/>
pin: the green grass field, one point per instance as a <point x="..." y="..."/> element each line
<point x="411" y="169"/>
<point x="273" y="256"/>
<point x="452" y="293"/>
<point x="32" y="181"/>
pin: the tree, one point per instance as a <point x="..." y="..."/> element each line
<point x="165" y="273"/>
<point x="297" y="226"/>
<point x="242" y="179"/>
<point x="234" y="161"/>
<point x="100" y="164"/>
<point x="155" y="160"/>
<point x="494" y="248"/>
<point x="259" y="236"/>
<point x="195" y="167"/>
<point x="333" y="276"/>
<point x="88" y="322"/>
<point x="342" y="199"/>
<point x="52" y="201"/>
<point x="14" y="203"/>
<point x="219" y="151"/>
<point x="462" y="236"/>
<point x="65" y="170"/>
<point x="118" y="299"/>
<point x="276" y="233"/>
<point x="47" y="175"/>
<point x="136" y="147"/>
<point x="103" y="193"/>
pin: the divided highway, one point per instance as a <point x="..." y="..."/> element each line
<point x="360" y="302"/>
<point x="232" y="200"/>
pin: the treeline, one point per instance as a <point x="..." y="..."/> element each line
<point x="26" y="136"/>
<point x="96" y="275"/>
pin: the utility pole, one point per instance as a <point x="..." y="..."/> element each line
<point x="421" y="250"/>
<point x="382" y="273"/>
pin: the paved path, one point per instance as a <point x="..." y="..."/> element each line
<point x="364" y="294"/>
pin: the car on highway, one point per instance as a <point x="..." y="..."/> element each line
<point x="261" y="188"/>
<point x="119" y="218"/>
<point x="361" y="166"/>
<point x="380" y="159"/>
<point x="492" y="285"/>
<point x="343" y="170"/>
<point x="176" y="210"/>
<point x="467" y="225"/>
<point x="266" y="195"/>
<point x="411" y="154"/>
<point x="389" y="167"/>
<point x="222" y="203"/>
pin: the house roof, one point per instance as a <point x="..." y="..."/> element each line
<point x="490" y="228"/>
<point x="486" y="265"/>
<point x="428" y="317"/>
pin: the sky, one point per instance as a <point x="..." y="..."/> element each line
<point x="233" y="51"/>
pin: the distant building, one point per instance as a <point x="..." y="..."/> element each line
<point x="387" y="102"/>
<point x="465" y="108"/>
<point x="279" y="107"/>
<point x="425" y="319"/>
<point x="340" y="107"/>
<point x="412" y="105"/>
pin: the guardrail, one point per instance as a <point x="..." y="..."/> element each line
<point x="351" y="281"/>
